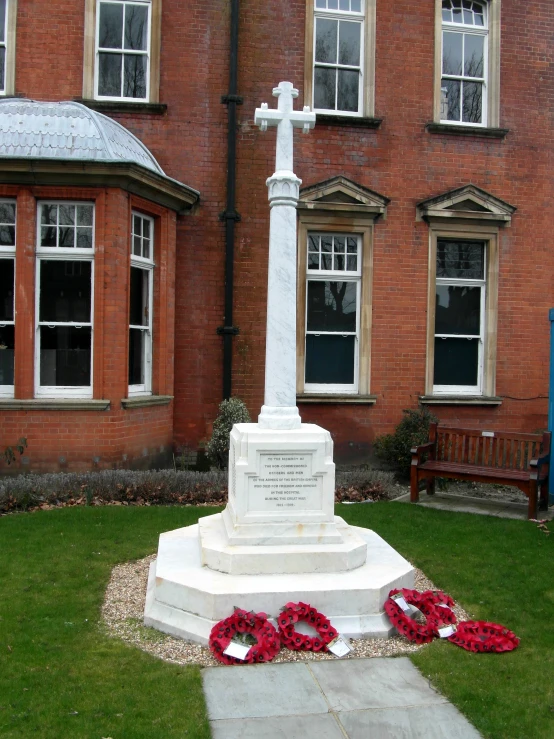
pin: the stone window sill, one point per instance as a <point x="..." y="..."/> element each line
<point x="453" y="129"/>
<point x="342" y="398"/>
<point x="143" y="401"/>
<point x="459" y="400"/>
<point x="345" y="120"/>
<point x="54" y="404"/>
<point x="114" y="106"/>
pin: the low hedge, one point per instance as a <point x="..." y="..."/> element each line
<point x="155" y="487"/>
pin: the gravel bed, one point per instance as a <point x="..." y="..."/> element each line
<point x="123" y="610"/>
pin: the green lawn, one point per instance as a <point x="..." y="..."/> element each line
<point x="60" y="676"/>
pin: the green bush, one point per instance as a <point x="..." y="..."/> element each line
<point x="230" y="412"/>
<point x="412" y="430"/>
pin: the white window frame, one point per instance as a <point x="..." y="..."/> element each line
<point x="122" y="52"/>
<point x="463" y="282"/>
<point x="367" y="18"/>
<point x="490" y="117"/>
<point x="323" y="275"/>
<point x="63" y="254"/>
<point x="8" y="253"/>
<point x="147" y="265"/>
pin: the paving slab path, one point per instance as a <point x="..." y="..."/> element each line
<point x="377" y="698"/>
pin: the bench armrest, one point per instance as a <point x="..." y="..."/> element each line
<point x="418" y="451"/>
<point x="545" y="459"/>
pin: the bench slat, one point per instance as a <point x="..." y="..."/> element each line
<point x="482" y="471"/>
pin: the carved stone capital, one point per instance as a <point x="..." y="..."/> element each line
<point x="284" y="188"/>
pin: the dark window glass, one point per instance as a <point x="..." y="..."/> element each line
<point x="138" y="311"/>
<point x="461" y="259"/>
<point x="347" y="98"/>
<point x="474" y="55"/>
<point x="456" y="361"/>
<point x="330" y="359"/>
<point x="452" y="88"/>
<point x="65" y="291"/>
<point x="136" y="356"/>
<point x="134" y="71"/>
<point x="110" y="28"/>
<point x="472" y="104"/>
<point x="2" y="67"/>
<point x="65" y="356"/>
<point x="6" y="354"/>
<point x="349" y="43"/>
<point x="331" y="306"/>
<point x="136" y="27"/>
<point x="324" y="88"/>
<point x="109" y="75"/>
<point x="6" y="289"/>
<point x="2" y="20"/>
<point x="452" y="53"/>
<point x="458" y="310"/>
<point x="326" y="41"/>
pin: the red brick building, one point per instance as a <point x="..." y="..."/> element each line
<point x="132" y="252"/>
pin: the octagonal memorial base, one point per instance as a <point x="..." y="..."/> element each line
<point x="185" y="598"/>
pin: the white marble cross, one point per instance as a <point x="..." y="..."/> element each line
<point x="285" y="118"/>
<point x="279" y="410"/>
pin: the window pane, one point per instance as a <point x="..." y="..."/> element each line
<point x="66" y="215"/>
<point x="456" y="361"/>
<point x="458" y="310"/>
<point x="136" y="27"/>
<point x="452" y="88"/>
<point x="137" y="340"/>
<point x="461" y="259"/>
<point x="67" y="237"/>
<point x="452" y="53"/>
<point x="109" y="74"/>
<point x="65" y="291"/>
<point x="332" y="306"/>
<point x="324" y="88"/>
<point x="2" y="67"/>
<point x="6" y="289"/>
<point x="138" y="303"/>
<point x="84" y="215"/>
<point x="65" y="356"/>
<point x="349" y="43"/>
<point x="110" y="27"/>
<point x="6" y="354"/>
<point x="7" y="212"/>
<point x="474" y="55"/>
<point x="472" y="110"/>
<point x="84" y="238"/>
<point x="49" y="214"/>
<point x="2" y="20"/>
<point x="7" y="235"/>
<point x="48" y="236"/>
<point x="330" y="359"/>
<point x="134" y="76"/>
<point x="326" y="41"/>
<point x="348" y="90"/>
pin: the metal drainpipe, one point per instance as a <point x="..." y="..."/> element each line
<point x="230" y="215"/>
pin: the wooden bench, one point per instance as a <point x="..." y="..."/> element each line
<point x="484" y="456"/>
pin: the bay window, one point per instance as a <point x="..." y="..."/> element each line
<point x="64" y="300"/>
<point x="140" y="304"/>
<point x="7" y="291"/>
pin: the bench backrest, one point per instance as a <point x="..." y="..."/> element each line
<point x="498" y="449"/>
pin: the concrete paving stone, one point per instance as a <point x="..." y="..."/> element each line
<point x="256" y="691"/>
<point x="282" y="727"/>
<point x="420" y="722"/>
<point x="355" y="684"/>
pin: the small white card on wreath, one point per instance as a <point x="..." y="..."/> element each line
<point x="446" y="631"/>
<point x="399" y="599"/>
<point x="238" y="650"/>
<point x="339" y="646"/>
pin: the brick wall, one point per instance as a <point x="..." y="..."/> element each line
<point x="400" y="160"/>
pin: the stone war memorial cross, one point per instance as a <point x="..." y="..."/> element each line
<point x="278" y="539"/>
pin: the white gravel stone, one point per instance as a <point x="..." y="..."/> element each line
<point x="123" y="610"/>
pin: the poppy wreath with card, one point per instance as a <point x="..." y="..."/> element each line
<point x="291" y="614"/>
<point x="482" y="636"/>
<point x="427" y="603"/>
<point x="267" y="642"/>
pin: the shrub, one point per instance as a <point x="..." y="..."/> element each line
<point x="412" y="430"/>
<point x="230" y="412"/>
<point x="362" y="483"/>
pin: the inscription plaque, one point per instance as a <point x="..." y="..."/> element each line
<point x="285" y="484"/>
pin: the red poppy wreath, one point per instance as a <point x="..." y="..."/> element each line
<point x="482" y="636"/>
<point x="292" y="639"/>
<point x="266" y="645"/>
<point x="428" y="603"/>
